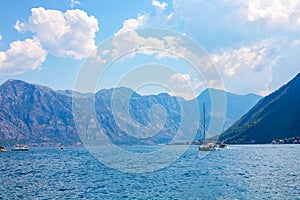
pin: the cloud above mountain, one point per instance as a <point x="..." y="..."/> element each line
<point x="249" y="65"/>
<point x="275" y="14"/>
<point x="251" y="42"/>
<point x="71" y="33"/>
<point x="254" y="43"/>
<point x="22" y="56"/>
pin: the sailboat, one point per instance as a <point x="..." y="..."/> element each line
<point x="209" y="146"/>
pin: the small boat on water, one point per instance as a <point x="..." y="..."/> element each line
<point x="62" y="147"/>
<point x="20" y="148"/>
<point x="2" y="149"/>
<point x="223" y="145"/>
<point x="209" y="146"/>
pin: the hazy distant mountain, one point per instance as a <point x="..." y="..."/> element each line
<point x="32" y="113"/>
<point x="276" y="116"/>
<point x="236" y="105"/>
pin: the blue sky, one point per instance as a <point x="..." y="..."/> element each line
<point x="254" y="44"/>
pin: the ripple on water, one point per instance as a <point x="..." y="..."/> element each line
<point x="258" y="171"/>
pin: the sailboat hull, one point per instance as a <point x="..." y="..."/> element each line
<point x="207" y="148"/>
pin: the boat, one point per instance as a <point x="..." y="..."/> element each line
<point x="19" y="147"/>
<point x="222" y="145"/>
<point x="62" y="147"/>
<point x="2" y="149"/>
<point x="209" y="146"/>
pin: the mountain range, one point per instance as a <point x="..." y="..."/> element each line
<point x="275" y="117"/>
<point x="37" y="115"/>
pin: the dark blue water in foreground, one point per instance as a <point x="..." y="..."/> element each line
<point x="241" y="172"/>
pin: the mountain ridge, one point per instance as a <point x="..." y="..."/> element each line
<point x="35" y="114"/>
<point x="276" y="116"/>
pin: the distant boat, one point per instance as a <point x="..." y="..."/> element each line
<point x="2" y="149"/>
<point x="62" y="147"/>
<point x="210" y="146"/>
<point x="20" y="148"/>
<point x="223" y="145"/>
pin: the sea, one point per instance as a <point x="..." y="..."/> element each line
<point x="239" y="172"/>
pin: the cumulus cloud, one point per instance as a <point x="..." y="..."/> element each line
<point x="277" y="13"/>
<point x="296" y="42"/>
<point x="243" y="69"/>
<point x="235" y="61"/>
<point x="22" y="56"/>
<point x="181" y="85"/>
<point x="100" y="59"/>
<point x="71" y="33"/>
<point x="248" y="68"/>
<point x="133" y="24"/>
<point x="159" y="5"/>
<point x="131" y="43"/>
<point x="159" y="17"/>
<point x="74" y="2"/>
<point x="246" y="57"/>
<point x="168" y="46"/>
<point x="171" y="46"/>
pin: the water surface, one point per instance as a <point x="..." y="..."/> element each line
<point x="240" y="172"/>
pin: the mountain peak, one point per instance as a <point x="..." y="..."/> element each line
<point x="17" y="87"/>
<point x="13" y="81"/>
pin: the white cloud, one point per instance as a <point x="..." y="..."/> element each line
<point x="1" y="37"/>
<point x="179" y="47"/>
<point x="248" y="68"/>
<point x="131" y="40"/>
<point x="236" y="60"/>
<point x="244" y="69"/>
<point x="181" y="85"/>
<point x="63" y="34"/>
<point x="133" y="24"/>
<point x="276" y="13"/>
<point x="74" y="2"/>
<point x="99" y="59"/>
<point x="296" y="42"/>
<point x="131" y="43"/>
<point x="22" y="56"/>
<point x="247" y="22"/>
<point x="159" y="5"/>
<point x="159" y="18"/>
<point x="170" y="16"/>
<point x="105" y="52"/>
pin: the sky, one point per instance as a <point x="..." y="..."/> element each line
<point x="254" y="45"/>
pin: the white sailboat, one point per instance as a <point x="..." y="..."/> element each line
<point x="209" y="146"/>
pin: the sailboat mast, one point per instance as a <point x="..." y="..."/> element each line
<point x="203" y="123"/>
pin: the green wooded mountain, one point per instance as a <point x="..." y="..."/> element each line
<point x="277" y="116"/>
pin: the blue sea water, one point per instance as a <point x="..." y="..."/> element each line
<point x="240" y="172"/>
